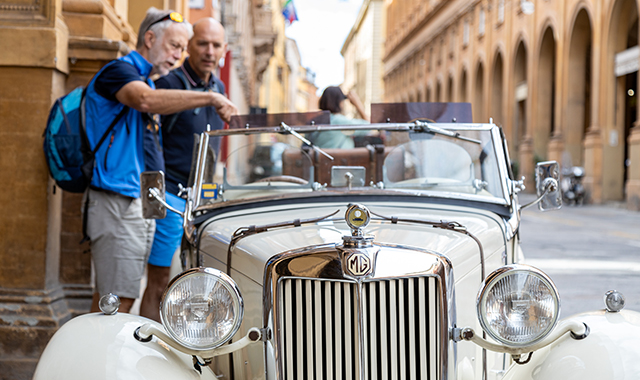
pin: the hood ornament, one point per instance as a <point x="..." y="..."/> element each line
<point x="358" y="253"/>
<point x="357" y="218"/>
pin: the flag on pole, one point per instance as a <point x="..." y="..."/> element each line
<point x="289" y="11"/>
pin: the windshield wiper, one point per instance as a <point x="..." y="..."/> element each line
<point x="287" y="129"/>
<point x="423" y="126"/>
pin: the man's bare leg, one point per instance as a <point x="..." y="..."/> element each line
<point x="157" y="280"/>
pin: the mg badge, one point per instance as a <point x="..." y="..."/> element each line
<point x="359" y="264"/>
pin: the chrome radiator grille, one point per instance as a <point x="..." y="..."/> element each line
<point x="319" y="329"/>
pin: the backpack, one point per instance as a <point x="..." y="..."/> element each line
<point x="66" y="147"/>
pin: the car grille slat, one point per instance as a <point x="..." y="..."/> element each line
<point x="319" y="329"/>
<point x="384" y="334"/>
<point x="339" y="328"/>
<point x="348" y="333"/>
<point x="300" y="331"/>
<point x="317" y="316"/>
<point x="401" y="332"/>
<point x="433" y="332"/>
<point x="309" y="332"/>
<point x="288" y="299"/>
<point x="422" y="295"/>
<point x="393" y="323"/>
<point x="373" y="349"/>
<point x="328" y="350"/>
<point x="411" y="307"/>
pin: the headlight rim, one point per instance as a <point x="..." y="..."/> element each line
<point x="497" y="275"/>
<point x="230" y="284"/>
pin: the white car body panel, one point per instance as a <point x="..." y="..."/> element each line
<point x="102" y="347"/>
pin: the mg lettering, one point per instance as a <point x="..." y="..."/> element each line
<point x="359" y="264"/>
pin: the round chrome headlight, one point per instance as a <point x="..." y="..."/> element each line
<point x="518" y="305"/>
<point x="202" y="308"/>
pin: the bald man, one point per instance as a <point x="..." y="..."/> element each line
<point x="206" y="48"/>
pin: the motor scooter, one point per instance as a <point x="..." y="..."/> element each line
<point x="573" y="191"/>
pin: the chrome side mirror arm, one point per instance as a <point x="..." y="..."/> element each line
<point x="155" y="193"/>
<point x="547" y="189"/>
<point x="549" y="185"/>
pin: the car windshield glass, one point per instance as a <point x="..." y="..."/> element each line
<point x="439" y="160"/>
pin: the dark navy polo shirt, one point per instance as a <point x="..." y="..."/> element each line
<point x="108" y="83"/>
<point x="178" y="139"/>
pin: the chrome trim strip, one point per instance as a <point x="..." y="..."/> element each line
<point x="323" y="263"/>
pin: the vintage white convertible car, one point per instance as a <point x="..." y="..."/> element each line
<point x="398" y="258"/>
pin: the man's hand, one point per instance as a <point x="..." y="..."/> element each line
<point x="223" y="106"/>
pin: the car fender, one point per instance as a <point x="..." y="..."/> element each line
<point x="98" y="346"/>
<point x="610" y="351"/>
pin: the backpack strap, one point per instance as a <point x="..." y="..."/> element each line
<point x="125" y="109"/>
<point x="115" y="121"/>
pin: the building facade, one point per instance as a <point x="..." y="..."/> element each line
<point x="49" y="48"/>
<point x="302" y="88"/>
<point x="560" y="78"/>
<point x="284" y="79"/>
<point x="363" y="51"/>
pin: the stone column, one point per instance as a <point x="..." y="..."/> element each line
<point x="593" y="160"/>
<point x="33" y="68"/>
<point x="556" y="147"/>
<point x="633" y="181"/>
<point x="526" y="163"/>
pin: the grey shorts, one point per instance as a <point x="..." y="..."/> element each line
<point x="120" y="242"/>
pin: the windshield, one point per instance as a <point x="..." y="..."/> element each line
<point x="441" y="160"/>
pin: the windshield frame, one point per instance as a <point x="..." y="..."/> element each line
<point x="412" y="127"/>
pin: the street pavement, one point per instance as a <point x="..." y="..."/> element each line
<point x="586" y="250"/>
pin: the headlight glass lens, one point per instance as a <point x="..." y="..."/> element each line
<point x="202" y="308"/>
<point x="518" y="305"/>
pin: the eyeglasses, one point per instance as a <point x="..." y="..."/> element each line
<point x="173" y="16"/>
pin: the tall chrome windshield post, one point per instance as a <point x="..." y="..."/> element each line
<point x="200" y="168"/>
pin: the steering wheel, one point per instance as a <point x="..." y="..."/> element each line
<point x="284" y="178"/>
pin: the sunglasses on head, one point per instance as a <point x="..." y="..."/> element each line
<point x="173" y="16"/>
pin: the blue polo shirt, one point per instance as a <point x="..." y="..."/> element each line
<point x="121" y="157"/>
<point x="177" y="139"/>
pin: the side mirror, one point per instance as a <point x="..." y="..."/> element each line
<point x="547" y="189"/>
<point x="152" y="193"/>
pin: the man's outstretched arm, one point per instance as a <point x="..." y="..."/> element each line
<point x="139" y="96"/>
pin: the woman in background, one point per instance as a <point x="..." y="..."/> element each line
<point x="332" y="100"/>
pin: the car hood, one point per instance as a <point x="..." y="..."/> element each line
<point x="250" y="253"/>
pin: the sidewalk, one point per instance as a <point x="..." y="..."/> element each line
<point x="587" y="250"/>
